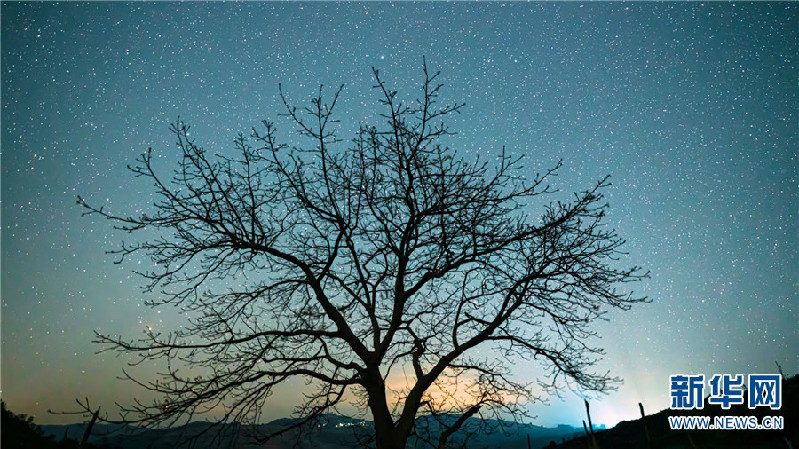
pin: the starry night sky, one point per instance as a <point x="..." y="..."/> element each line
<point x="691" y="107"/>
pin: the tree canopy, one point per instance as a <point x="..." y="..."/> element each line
<point x="347" y="262"/>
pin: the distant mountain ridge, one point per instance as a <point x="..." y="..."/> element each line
<point x="339" y="432"/>
<point x="332" y="432"/>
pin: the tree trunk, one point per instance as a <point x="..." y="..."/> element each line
<point x="387" y="436"/>
<point x="390" y="441"/>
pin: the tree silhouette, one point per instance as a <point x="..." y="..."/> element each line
<point x="346" y="264"/>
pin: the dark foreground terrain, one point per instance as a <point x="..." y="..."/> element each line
<point x="339" y="432"/>
<point x="633" y="434"/>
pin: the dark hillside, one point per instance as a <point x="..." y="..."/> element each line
<point x="632" y="434"/>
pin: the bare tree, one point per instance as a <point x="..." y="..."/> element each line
<point x="344" y="264"/>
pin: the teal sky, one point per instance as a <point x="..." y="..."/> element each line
<point x="690" y="107"/>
